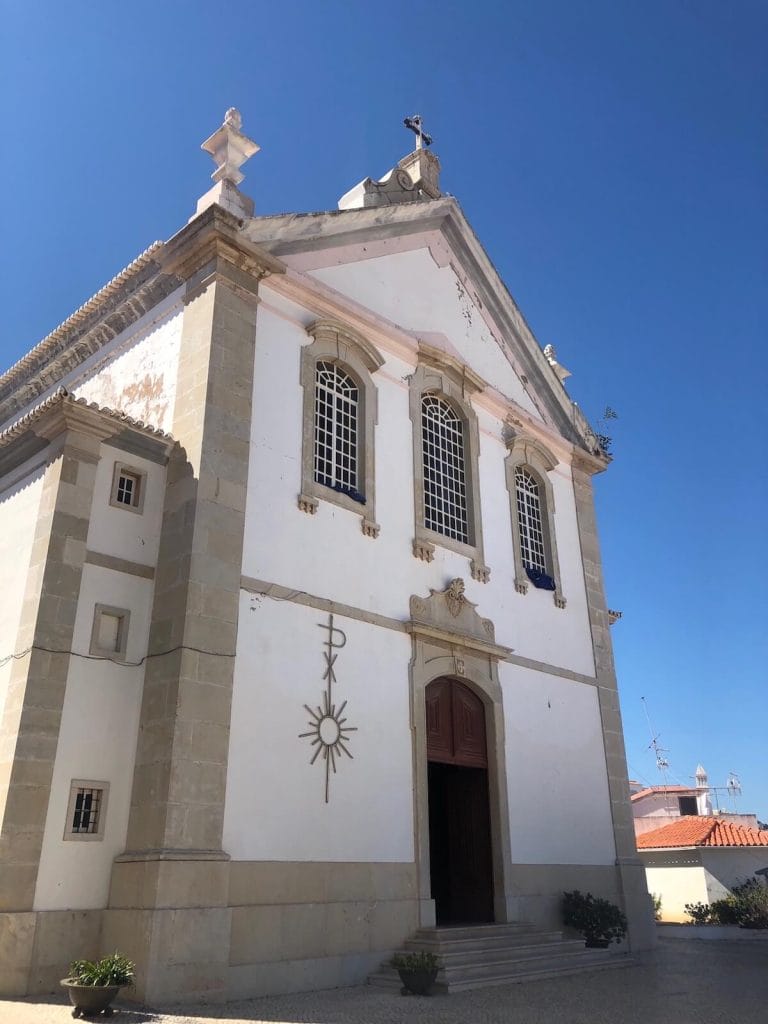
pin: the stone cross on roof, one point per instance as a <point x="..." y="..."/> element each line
<point x="229" y="148"/>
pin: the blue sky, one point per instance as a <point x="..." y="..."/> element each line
<point x="610" y="155"/>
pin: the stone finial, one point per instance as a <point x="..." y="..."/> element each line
<point x="230" y="148"/>
<point x="551" y="356"/>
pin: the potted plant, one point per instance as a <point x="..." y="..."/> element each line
<point x="417" y="972"/>
<point x="598" y="920"/>
<point x="93" y="984"/>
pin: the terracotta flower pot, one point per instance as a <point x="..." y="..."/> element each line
<point x="90" y="999"/>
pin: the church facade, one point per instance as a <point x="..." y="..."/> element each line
<point x="304" y="638"/>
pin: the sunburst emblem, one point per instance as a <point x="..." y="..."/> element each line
<point x="329" y="733"/>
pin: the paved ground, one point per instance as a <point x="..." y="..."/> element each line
<point x="683" y="982"/>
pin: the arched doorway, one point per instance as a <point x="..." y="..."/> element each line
<point x="460" y="861"/>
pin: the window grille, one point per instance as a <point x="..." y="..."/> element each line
<point x="336" y="429"/>
<point x="85" y="816"/>
<point x="529" y="518"/>
<point x="445" y="476"/>
<point x="127" y="489"/>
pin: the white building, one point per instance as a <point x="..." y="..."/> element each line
<point x="700" y="860"/>
<point x="304" y="639"/>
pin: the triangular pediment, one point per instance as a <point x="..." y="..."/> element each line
<point x="328" y="240"/>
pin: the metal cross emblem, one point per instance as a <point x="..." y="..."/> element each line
<point x="329" y="732"/>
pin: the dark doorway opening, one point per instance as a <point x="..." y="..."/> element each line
<point x="459" y="819"/>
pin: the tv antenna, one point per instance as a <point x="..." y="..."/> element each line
<point x="662" y="762"/>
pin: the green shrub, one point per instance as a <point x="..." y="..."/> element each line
<point x="699" y="913"/>
<point x="596" y="918"/>
<point x="412" y="962"/>
<point x="751" y="900"/>
<point x="746" y="906"/>
<point x="111" y="970"/>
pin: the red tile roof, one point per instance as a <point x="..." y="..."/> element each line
<point x="701" y="831"/>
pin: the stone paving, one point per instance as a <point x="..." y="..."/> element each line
<point x="683" y="982"/>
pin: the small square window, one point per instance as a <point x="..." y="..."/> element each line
<point x="109" y="635"/>
<point x="128" y="485"/>
<point x="87" y="810"/>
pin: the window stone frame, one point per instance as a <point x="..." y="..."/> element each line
<point x="441" y="374"/>
<point x="141" y="476"/>
<point x="526" y="451"/>
<point x="124" y="615"/>
<point x="86" y="837"/>
<point x="334" y="342"/>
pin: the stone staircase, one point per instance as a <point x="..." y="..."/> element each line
<point x="478" y="956"/>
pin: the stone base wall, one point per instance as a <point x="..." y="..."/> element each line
<point x="539" y="889"/>
<point x="281" y="927"/>
<point x="37" y="947"/>
<point x="298" y="926"/>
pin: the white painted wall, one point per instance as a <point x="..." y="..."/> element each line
<point x="100" y="717"/>
<point x="438" y="305"/>
<point x="18" y="520"/>
<point x="559" y="806"/>
<point x="136" y="373"/>
<point x="678" y="877"/>
<point x="97" y="741"/>
<point x="327" y="554"/>
<point x="122" y="532"/>
<point x="725" y="867"/>
<point x="275" y="807"/>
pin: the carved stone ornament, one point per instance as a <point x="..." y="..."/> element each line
<point x="423" y="549"/>
<point x="448" y="616"/>
<point x="308" y="504"/>
<point x="454" y="596"/>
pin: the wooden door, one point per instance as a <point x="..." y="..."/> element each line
<point x="459" y="819"/>
<point x="455" y="725"/>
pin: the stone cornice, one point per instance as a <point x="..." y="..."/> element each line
<point x="62" y="411"/>
<point x="211" y="246"/>
<point x="120" y="303"/>
<point x="469" y="381"/>
<point x="590" y="462"/>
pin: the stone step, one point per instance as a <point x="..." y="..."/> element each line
<point x="477" y="956"/>
<point x="472" y="931"/>
<point x="503" y="940"/>
<point x="510" y="973"/>
<point x="536" y="974"/>
<point x="504" y="954"/>
<point x="539" y="958"/>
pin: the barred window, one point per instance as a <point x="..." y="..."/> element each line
<point x="528" y="500"/>
<point x="86" y="813"/>
<point x="336" y="429"/>
<point x="445" y="471"/>
<point x="86" y="810"/>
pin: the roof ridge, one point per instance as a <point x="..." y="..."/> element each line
<point x="39" y="354"/>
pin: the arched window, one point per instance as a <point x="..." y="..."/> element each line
<point x="446" y="452"/>
<point x="529" y="466"/>
<point x="339" y="422"/>
<point x="532" y="550"/>
<point x="337" y="430"/>
<point x="445" y="474"/>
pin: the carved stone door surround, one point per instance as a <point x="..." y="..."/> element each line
<point x="451" y="640"/>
